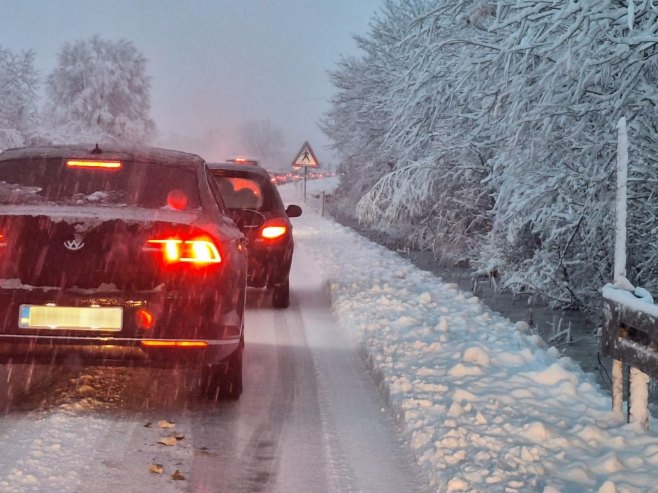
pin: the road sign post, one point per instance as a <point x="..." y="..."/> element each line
<point x="305" y="159"/>
<point x="305" y="174"/>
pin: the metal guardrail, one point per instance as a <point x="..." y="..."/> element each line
<point x="630" y="337"/>
<point x="630" y="330"/>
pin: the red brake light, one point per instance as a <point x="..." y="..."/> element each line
<point x="83" y="163"/>
<point x="3" y="240"/>
<point x="144" y="319"/>
<point x="174" y="250"/>
<point x="273" y="229"/>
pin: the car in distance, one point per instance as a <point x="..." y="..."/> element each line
<point x="254" y="203"/>
<point x="119" y="256"/>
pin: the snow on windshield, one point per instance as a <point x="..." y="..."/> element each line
<point x="14" y="193"/>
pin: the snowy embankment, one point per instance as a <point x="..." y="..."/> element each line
<point x="484" y="405"/>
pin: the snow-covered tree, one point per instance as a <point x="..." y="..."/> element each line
<point x="570" y="72"/>
<point x="437" y="185"/>
<point x="497" y="119"/>
<point x="18" y="97"/>
<point x="361" y="113"/>
<point x="100" y="91"/>
<point x="416" y="114"/>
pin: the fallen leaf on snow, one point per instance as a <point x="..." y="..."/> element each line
<point x="169" y="441"/>
<point x="163" y="423"/>
<point x="156" y="468"/>
<point x="177" y="476"/>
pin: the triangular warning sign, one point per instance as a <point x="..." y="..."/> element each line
<point x="306" y="157"/>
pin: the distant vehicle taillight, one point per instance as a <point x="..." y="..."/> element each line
<point x="199" y="251"/>
<point x="273" y="229"/>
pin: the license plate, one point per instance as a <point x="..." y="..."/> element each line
<point x="102" y="318"/>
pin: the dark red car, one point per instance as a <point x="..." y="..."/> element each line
<point x="254" y="203"/>
<point x="119" y="256"/>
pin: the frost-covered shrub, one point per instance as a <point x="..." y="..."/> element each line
<point x="439" y="208"/>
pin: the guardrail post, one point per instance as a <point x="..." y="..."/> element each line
<point x="618" y="387"/>
<point x="638" y="398"/>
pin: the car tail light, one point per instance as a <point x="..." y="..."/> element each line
<point x="3" y="240"/>
<point x="144" y="319"/>
<point x="84" y="163"/>
<point x="161" y="343"/>
<point x="273" y="229"/>
<point x="195" y="251"/>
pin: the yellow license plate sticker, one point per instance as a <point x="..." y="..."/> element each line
<point x="100" y="318"/>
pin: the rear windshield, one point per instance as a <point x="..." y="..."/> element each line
<point x="148" y="185"/>
<point x="240" y="193"/>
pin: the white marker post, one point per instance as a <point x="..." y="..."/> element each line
<point x="619" y="272"/>
<point x="638" y="400"/>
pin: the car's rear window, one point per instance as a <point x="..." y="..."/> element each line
<point x="148" y="185"/>
<point x="240" y="193"/>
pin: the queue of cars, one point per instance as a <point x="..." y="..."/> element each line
<point x="280" y="178"/>
<point x="122" y="256"/>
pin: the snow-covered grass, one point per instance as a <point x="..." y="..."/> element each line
<point x="484" y="405"/>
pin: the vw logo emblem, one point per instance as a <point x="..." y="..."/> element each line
<point x="74" y="244"/>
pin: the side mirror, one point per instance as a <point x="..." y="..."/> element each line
<point x="293" y="210"/>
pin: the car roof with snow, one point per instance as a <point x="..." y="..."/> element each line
<point x="125" y="153"/>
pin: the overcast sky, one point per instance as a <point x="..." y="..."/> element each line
<point x="213" y="63"/>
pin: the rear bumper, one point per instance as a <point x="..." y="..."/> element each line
<point x="206" y="325"/>
<point x="116" y="352"/>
